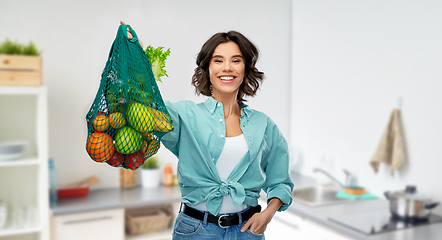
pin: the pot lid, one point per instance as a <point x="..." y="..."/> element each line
<point x="411" y="193"/>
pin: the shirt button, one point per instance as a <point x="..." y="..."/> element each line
<point x="250" y="140"/>
<point x="243" y="125"/>
<point x="222" y="136"/>
<point x="220" y="120"/>
<point x="219" y="104"/>
<point x="211" y="110"/>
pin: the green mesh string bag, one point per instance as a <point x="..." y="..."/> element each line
<point x="128" y="115"/>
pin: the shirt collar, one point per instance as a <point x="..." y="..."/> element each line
<point x="211" y="105"/>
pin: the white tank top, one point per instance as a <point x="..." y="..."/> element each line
<point x="234" y="149"/>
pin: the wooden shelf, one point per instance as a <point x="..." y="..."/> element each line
<point x="5" y="90"/>
<point x="19" y="231"/>
<point x="20" y="162"/>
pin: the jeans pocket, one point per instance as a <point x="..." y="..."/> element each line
<point x="258" y="236"/>
<point x="186" y="226"/>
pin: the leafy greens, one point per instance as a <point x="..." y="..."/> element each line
<point x="157" y="57"/>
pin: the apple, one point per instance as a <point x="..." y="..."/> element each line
<point x="134" y="160"/>
<point x="127" y="140"/>
<point x="116" y="160"/>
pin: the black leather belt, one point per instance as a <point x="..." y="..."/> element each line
<point x="224" y="220"/>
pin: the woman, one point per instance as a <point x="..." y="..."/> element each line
<point x="227" y="151"/>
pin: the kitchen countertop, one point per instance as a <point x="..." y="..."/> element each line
<point x="110" y="198"/>
<point x="321" y="215"/>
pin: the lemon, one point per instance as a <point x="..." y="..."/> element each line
<point x="117" y="120"/>
<point x="150" y="148"/>
<point x="162" y="121"/>
<point x="140" y="118"/>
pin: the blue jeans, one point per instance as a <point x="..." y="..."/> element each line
<point x="190" y="228"/>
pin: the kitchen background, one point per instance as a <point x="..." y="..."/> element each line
<point x="334" y="72"/>
<point x="76" y="37"/>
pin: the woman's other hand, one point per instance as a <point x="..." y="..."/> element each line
<point x="129" y="34"/>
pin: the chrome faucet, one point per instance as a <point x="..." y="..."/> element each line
<point x="350" y="179"/>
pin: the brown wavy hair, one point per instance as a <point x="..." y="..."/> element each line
<point x="252" y="77"/>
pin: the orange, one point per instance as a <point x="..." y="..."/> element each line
<point x="100" y="147"/>
<point x="101" y="123"/>
<point x="144" y="146"/>
<point x="117" y="120"/>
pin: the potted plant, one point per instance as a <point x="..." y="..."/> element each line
<point x="20" y="64"/>
<point x="150" y="173"/>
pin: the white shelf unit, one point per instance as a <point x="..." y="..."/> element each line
<point x="24" y="181"/>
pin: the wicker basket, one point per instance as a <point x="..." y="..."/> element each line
<point x="148" y="220"/>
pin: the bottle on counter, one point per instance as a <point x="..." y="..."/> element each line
<point x="168" y="175"/>
<point x="53" y="198"/>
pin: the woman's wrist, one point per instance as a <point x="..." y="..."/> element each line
<point x="274" y="205"/>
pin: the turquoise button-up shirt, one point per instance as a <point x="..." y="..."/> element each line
<point x="197" y="141"/>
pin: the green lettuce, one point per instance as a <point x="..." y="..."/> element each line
<point x="157" y="57"/>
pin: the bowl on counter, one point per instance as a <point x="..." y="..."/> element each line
<point x="13" y="149"/>
<point x="73" y="192"/>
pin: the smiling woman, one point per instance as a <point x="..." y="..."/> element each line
<point x="227" y="151"/>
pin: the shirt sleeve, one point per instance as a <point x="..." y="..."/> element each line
<point x="171" y="139"/>
<point x="278" y="181"/>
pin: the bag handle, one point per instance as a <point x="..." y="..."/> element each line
<point x="124" y="29"/>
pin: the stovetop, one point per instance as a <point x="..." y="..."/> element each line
<point x="379" y="221"/>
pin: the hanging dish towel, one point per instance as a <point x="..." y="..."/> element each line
<point x="391" y="149"/>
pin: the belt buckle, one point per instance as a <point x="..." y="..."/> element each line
<point x="219" y="221"/>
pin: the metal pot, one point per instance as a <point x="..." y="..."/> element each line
<point x="408" y="205"/>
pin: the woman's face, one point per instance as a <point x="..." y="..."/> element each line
<point x="226" y="69"/>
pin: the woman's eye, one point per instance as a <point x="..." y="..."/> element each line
<point x="218" y="61"/>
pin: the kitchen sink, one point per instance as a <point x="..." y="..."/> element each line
<point x="317" y="195"/>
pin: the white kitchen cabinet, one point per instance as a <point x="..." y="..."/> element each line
<point x="24" y="181"/>
<point x="285" y="225"/>
<point x="102" y="224"/>
<point x="106" y="224"/>
<point x="314" y="231"/>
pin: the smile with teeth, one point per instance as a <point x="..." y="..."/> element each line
<point x="227" y="78"/>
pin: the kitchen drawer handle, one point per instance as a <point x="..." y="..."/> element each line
<point x="87" y="220"/>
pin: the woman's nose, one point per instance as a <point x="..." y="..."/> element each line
<point x="227" y="67"/>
